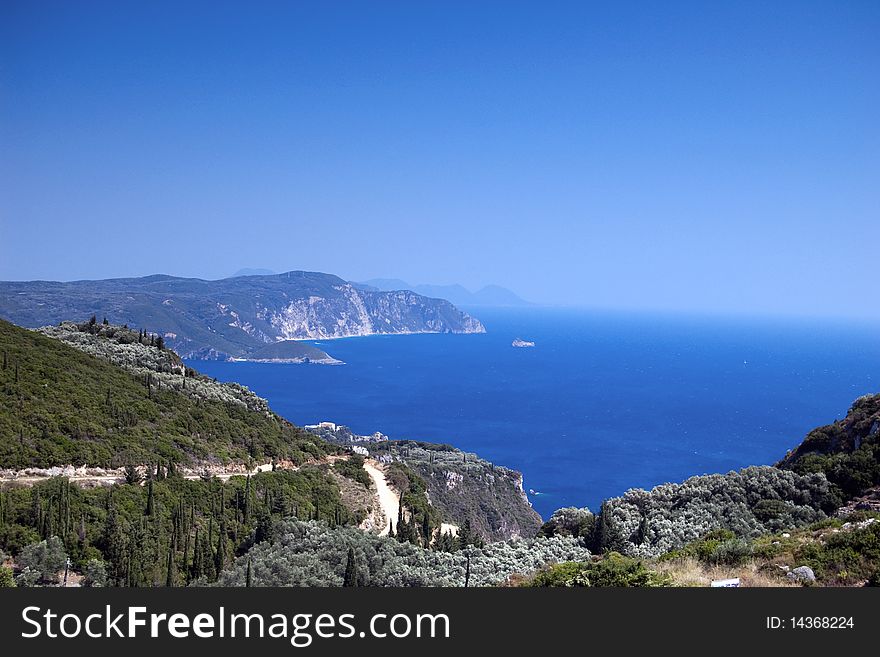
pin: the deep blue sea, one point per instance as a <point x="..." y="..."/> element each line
<point x="604" y="402"/>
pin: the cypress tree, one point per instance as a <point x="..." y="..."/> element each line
<point x="247" y="499"/>
<point x="401" y="524"/>
<point x="351" y="574"/>
<point x="264" y="526"/>
<point x="208" y="560"/>
<point x="247" y="577"/>
<point x="607" y="537"/>
<point x="465" y="534"/>
<point x="186" y="570"/>
<point x="220" y="555"/>
<point x="132" y="476"/>
<point x="170" y="566"/>
<point x="150" y="498"/>
<point x="36" y="508"/>
<point x="642" y="533"/>
<point x="113" y="545"/>
<point x="198" y="568"/>
<point x="413" y="529"/>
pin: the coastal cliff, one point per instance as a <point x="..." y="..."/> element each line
<point x="460" y="485"/>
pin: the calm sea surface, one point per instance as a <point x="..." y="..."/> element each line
<point x="602" y="403"/>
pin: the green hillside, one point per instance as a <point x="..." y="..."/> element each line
<point x="847" y="451"/>
<point x="59" y="406"/>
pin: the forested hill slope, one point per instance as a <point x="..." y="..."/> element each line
<point x="846" y="451"/>
<point x="233" y="317"/>
<point x="60" y="405"/>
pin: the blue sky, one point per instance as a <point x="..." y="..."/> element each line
<point x="710" y="157"/>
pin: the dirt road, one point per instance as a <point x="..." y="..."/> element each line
<point x="389" y="501"/>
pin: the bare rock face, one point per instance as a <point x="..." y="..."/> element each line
<point x="802" y="574"/>
<point x="349" y="312"/>
<point x="234" y="317"/>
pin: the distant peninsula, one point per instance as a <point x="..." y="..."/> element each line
<point x="488" y="296"/>
<point x="239" y="317"/>
<point x="291" y="351"/>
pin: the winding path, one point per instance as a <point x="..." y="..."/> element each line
<point x="389" y="501"/>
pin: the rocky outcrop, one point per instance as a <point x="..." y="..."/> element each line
<point x="125" y="348"/>
<point x="860" y="427"/>
<point x="352" y="312"/>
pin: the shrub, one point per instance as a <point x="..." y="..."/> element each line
<point x="732" y="552"/>
<point x="6" y="579"/>
<point x="855" y="553"/>
<point x="569" y="521"/>
<point x="27" y="578"/>
<point x="613" y="570"/>
<point x="45" y="558"/>
<point x="14" y="537"/>
<point x="353" y="468"/>
<point x="94" y="573"/>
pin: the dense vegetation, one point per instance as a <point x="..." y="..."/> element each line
<point x="838" y="552"/>
<point x="751" y="502"/>
<point x="353" y="468"/>
<point x="844" y="557"/>
<point x="612" y="570"/>
<point x="316" y="554"/>
<point x="165" y="531"/>
<point x="59" y="405"/>
<point x="847" y="452"/>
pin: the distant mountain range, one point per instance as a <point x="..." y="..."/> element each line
<point x="490" y="295"/>
<point x="235" y="317"/>
<point x="248" y="271"/>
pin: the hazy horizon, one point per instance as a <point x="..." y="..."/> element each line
<point x="676" y="158"/>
